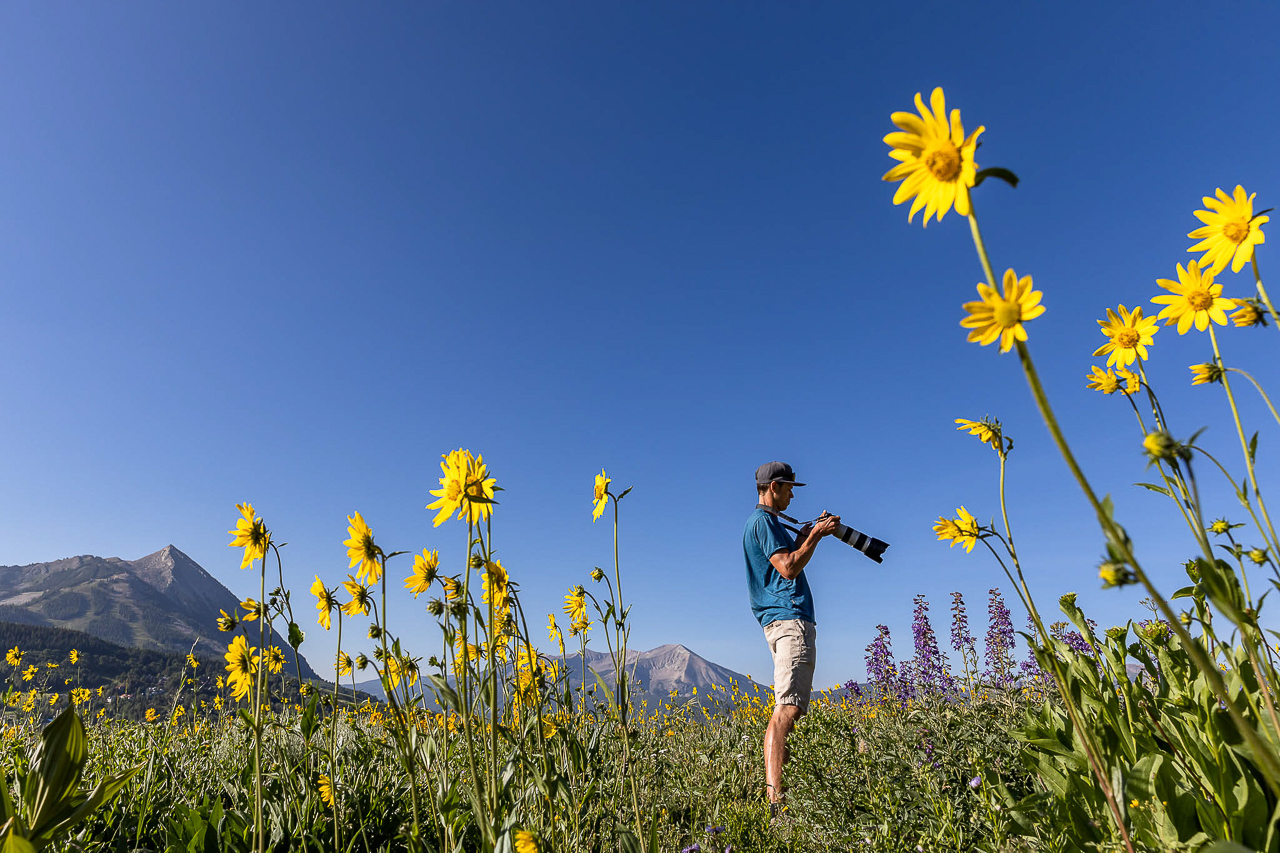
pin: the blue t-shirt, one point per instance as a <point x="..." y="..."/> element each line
<point x="773" y="597"/>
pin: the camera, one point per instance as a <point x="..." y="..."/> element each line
<point x="869" y="545"/>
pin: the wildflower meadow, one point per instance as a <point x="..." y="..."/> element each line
<point x="1053" y="734"/>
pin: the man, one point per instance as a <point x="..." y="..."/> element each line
<point x="783" y="604"/>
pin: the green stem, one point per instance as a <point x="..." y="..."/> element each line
<point x="1265" y="398"/>
<point x="333" y="734"/>
<point x="1262" y="291"/>
<point x="261" y="839"/>
<point x="982" y="250"/>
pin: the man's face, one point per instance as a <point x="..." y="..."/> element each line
<point x="782" y="494"/>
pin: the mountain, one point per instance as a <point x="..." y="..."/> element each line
<point x="164" y="601"/>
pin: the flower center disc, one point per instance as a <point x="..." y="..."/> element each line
<point x="1200" y="300"/>
<point x="944" y="162"/>
<point x="1008" y="314"/>
<point x="1236" y="230"/>
<point x="1127" y="338"/>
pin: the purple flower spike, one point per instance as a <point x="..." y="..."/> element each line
<point x="975" y="782"/>
<point x="999" y="641"/>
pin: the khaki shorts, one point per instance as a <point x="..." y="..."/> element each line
<point x="793" y="643"/>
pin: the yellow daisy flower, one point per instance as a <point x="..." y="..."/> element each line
<point x="963" y="529"/>
<point x="452" y="588"/>
<point x="987" y="432"/>
<point x="1247" y="314"/>
<point x="325" y="602"/>
<point x="242" y="666"/>
<point x="359" y="603"/>
<point x="30" y="672"/>
<point x="495" y="581"/>
<point x="275" y="659"/>
<point x="227" y="623"/>
<point x="998" y="317"/>
<point x="1128" y="336"/>
<point x="524" y="842"/>
<point x="1105" y="381"/>
<point x="1193" y="298"/>
<point x="362" y="552"/>
<point x="74" y="657"/>
<point x="465" y="488"/>
<point x="251" y="535"/>
<point x="252" y="610"/>
<point x="553" y="631"/>
<point x="343" y="663"/>
<point x="575" y="607"/>
<point x="192" y="662"/>
<point x="1230" y="230"/>
<point x="601" y="495"/>
<point x="1132" y="381"/>
<point x="1205" y="374"/>
<point x="936" y="164"/>
<point x="326" y="790"/>
<point x="13" y="657"/>
<point x="424" y="572"/>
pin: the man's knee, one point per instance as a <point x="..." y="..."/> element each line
<point x="788" y="714"/>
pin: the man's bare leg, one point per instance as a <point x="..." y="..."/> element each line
<point x="775" y="747"/>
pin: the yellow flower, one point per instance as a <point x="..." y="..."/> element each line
<point x="1193" y="298"/>
<point x="325" y="602"/>
<point x="1220" y="526"/>
<point x="252" y="609"/>
<point x="601" y="495"/>
<point x="192" y="662"/>
<point x="936" y="164"/>
<point x="227" y="623"/>
<point x="452" y="588"/>
<point x="275" y="659"/>
<point x="51" y="665"/>
<point x="343" y="663"/>
<point x="13" y="657"/>
<point x="575" y="607"/>
<point x="998" y="317"/>
<point x="1160" y="445"/>
<point x="362" y="552"/>
<point x="1205" y="374"/>
<point x="424" y="572"/>
<point x="963" y="529"/>
<point x="465" y="488"/>
<point x="79" y="696"/>
<point x="495" y="581"/>
<point x="326" y="790"/>
<point x="53" y="700"/>
<point x="987" y="432"/>
<point x="1128" y="336"/>
<point x="359" y="603"/>
<point x="1247" y="314"/>
<point x="152" y="716"/>
<point x="1103" y="380"/>
<point x="524" y="842"/>
<point x="242" y="666"/>
<point x="251" y="535"/>
<point x="1132" y="381"/>
<point x="1230" y="230"/>
<point x="74" y="657"/>
<point x="553" y="631"/>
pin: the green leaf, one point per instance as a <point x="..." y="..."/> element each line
<point x="1225" y="847"/>
<point x="1154" y="488"/>
<point x="295" y="635"/>
<point x="626" y="492"/>
<point x="1253" y="448"/>
<point x="15" y="843"/>
<point x="56" y="767"/>
<point x="995" y="172"/>
<point x="310" y="722"/>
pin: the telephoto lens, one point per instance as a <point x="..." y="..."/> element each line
<point x="869" y="545"/>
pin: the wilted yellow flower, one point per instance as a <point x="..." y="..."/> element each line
<point x="251" y="535"/>
<point x="359" y="603"/>
<point x="1103" y="380"/>
<point x="601" y="495"/>
<point x="1247" y="314"/>
<point x="575" y="607"/>
<point x="74" y="657"/>
<point x="936" y="164"/>
<point x="524" y="842"/>
<point x="326" y="790"/>
<point x="362" y="552"/>
<point x="325" y="602"/>
<point x="252" y="609"/>
<point x="242" y="666"/>
<point x="1193" y="298"/>
<point x="343" y="663"/>
<point x="227" y="623"/>
<point x="963" y="529"/>
<point x="424" y="572"/>
<point x="275" y="659"/>
<point x="13" y="657"/>
<point x="465" y="487"/>
<point x="1230" y="230"/>
<point x="987" y="432"/>
<point x="996" y="317"/>
<point x="1128" y="336"/>
<point x="1205" y="374"/>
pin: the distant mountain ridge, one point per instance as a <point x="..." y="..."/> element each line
<point x="163" y="601"/>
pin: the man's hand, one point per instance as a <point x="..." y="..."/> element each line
<point x="825" y="526"/>
<point x="791" y="563"/>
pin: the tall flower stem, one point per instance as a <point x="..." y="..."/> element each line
<point x="620" y="672"/>
<point x="261" y="837"/>
<point x="333" y="735"/>
<point x="1262" y="291"/>
<point x="1265" y="398"/>
<point x="464" y="666"/>
<point x="1274" y="542"/>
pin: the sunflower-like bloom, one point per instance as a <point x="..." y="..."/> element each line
<point x="1105" y="381"/>
<point x="986" y="431"/>
<point x="192" y="662"/>
<point x="325" y="602"/>
<point x="74" y="656"/>
<point x="362" y="552"/>
<point x="935" y="159"/>
<point x="1230" y="230"/>
<point x="343" y="663"/>
<point x="397" y="669"/>
<point x="424" y="572"/>
<point x="1247" y="314"/>
<point x="253" y="609"/>
<point x="452" y="588"/>
<point x="275" y="659"/>
<point x="1193" y="298"/>
<point x="13" y="657"/>
<point x="496" y="583"/>
<point x="525" y="842"/>
<point x="1132" y="381"/>
<point x="1128" y="336"/>
<point x="1000" y="317"/>
<point x="963" y="529"/>
<point x="1205" y="374"/>
<point x="359" y="603"/>
<point x="601" y="495"/>
<point x="326" y="789"/>
<point x="575" y="607"/>
<point x="227" y="623"/>
<point x="553" y="631"/>
<point x="465" y="488"/>
<point x="251" y="535"/>
<point x="242" y="666"/>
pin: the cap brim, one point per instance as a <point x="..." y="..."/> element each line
<point x="788" y="482"/>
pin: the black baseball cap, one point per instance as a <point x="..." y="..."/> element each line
<point x="776" y="472"/>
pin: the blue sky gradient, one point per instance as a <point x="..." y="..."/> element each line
<point x="291" y="255"/>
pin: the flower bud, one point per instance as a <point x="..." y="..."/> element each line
<point x="477" y="562"/>
<point x="458" y="609"/>
<point x="1160" y="445"/>
<point x="362" y="662"/>
<point x="435" y="607"/>
<point x="1220" y="526"/>
<point x="1114" y="574"/>
<point x="375" y="633"/>
<point x="597" y="575"/>
<point x="1247" y="314"/>
<point x="1257" y="555"/>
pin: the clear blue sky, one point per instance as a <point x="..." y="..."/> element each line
<point x="292" y="253"/>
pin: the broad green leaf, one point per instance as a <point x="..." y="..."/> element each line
<point x="995" y="172"/>
<point x="1154" y="488"/>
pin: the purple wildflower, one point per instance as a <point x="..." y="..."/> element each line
<point x="975" y="782"/>
<point x="961" y="638"/>
<point x="928" y="667"/>
<point x="881" y="668"/>
<point x="999" y="641"/>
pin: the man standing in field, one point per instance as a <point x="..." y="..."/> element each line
<point x="782" y="602"/>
